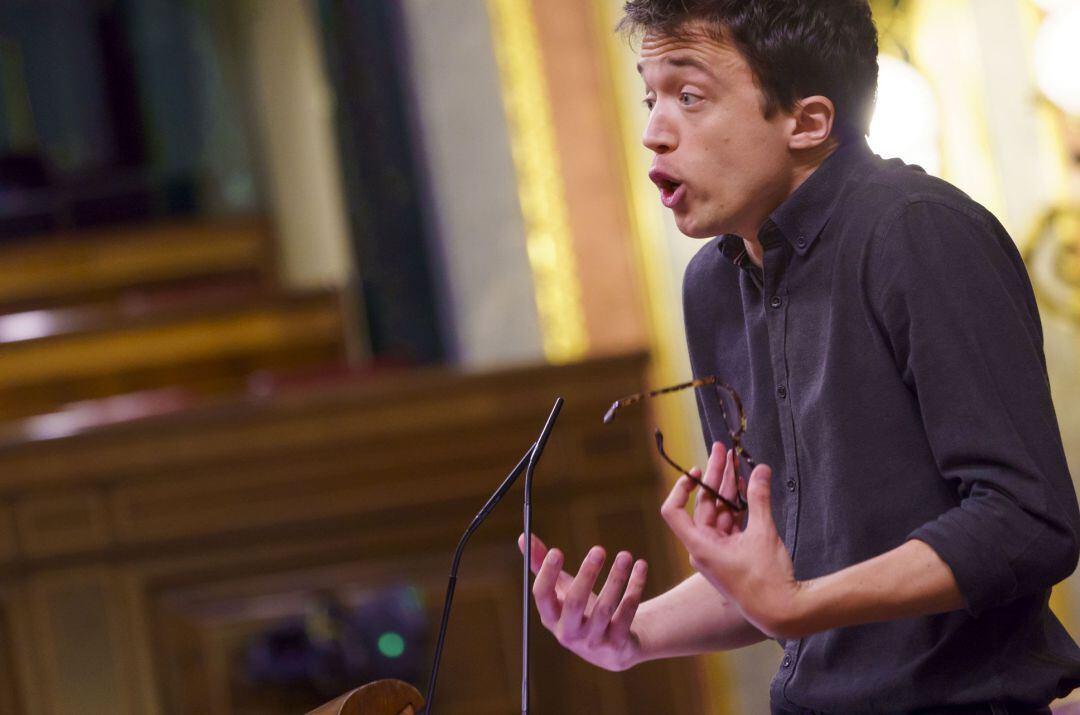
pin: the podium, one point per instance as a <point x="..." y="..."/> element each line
<point x="383" y="697"/>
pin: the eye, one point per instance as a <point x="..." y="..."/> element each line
<point x="649" y="103"/>
<point x="687" y="100"/>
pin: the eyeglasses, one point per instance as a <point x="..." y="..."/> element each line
<point x="730" y="405"/>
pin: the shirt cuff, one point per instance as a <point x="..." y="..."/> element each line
<point x="982" y="572"/>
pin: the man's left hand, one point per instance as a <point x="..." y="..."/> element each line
<point x="750" y="566"/>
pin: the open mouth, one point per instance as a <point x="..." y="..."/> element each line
<point x="672" y="192"/>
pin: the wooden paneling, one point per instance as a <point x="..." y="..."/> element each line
<point x="76" y="625"/>
<point x="191" y="306"/>
<point x="61" y="522"/>
<point x="210" y="351"/>
<point x="8" y="544"/>
<point x="74" y="268"/>
<point x="164" y="546"/>
<point x="9" y="693"/>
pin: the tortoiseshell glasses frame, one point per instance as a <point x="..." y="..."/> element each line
<point x="739" y="454"/>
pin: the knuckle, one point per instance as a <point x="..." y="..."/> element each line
<point x="567" y="638"/>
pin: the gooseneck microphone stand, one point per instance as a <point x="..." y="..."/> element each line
<point x="527" y="464"/>
<point x="526" y="612"/>
<point x="477" y="520"/>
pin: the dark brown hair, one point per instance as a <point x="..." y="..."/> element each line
<point x="795" y="48"/>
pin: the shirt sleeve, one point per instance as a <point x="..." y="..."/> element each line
<point x="956" y="307"/>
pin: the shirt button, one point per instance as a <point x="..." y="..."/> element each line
<point x="787" y="661"/>
<point x="776" y="301"/>
<point x="791" y="485"/>
<point x="801" y="241"/>
<point x="781" y="392"/>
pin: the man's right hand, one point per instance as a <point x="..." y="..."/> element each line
<point x="598" y="628"/>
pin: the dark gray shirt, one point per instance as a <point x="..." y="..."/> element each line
<point x="890" y="358"/>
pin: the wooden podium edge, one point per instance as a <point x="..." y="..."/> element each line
<point x="382" y="697"/>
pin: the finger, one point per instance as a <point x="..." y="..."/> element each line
<point x="699" y="497"/>
<point x="577" y="597"/>
<point x="674" y="510"/>
<point x="619" y="630"/>
<point x="729" y="489"/>
<point x="544" y="593"/>
<point x="538" y="552"/>
<point x="609" y="598"/>
<point x="706" y="509"/>
<point x="759" y="499"/>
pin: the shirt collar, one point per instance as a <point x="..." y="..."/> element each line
<point x="733" y="248"/>
<point x="803" y="215"/>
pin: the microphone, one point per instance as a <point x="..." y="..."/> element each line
<point x="526" y="464"/>
<point x="537" y="450"/>
<point x="477" y="520"/>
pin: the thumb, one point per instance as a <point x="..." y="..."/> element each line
<point x="759" y="498"/>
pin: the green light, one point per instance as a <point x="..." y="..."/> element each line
<point x="391" y="644"/>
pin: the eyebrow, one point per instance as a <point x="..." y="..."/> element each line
<point x="684" y="61"/>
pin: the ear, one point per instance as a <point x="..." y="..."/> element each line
<point x="813" y="117"/>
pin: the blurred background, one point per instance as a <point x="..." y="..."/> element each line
<point x="287" y="287"/>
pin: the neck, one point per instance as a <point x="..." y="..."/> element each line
<point x="805" y="163"/>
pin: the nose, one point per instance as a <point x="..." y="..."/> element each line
<point x="659" y="137"/>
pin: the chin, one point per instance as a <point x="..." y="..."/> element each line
<point x="692" y="230"/>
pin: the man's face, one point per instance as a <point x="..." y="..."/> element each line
<point x="721" y="166"/>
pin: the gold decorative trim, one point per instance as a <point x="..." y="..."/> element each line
<point x="541" y="191"/>
<point x="1052" y="255"/>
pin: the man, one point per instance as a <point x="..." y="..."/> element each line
<point x="882" y="331"/>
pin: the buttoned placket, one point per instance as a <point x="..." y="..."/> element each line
<point x="777" y="255"/>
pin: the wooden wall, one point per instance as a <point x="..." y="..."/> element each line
<point x="139" y="560"/>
